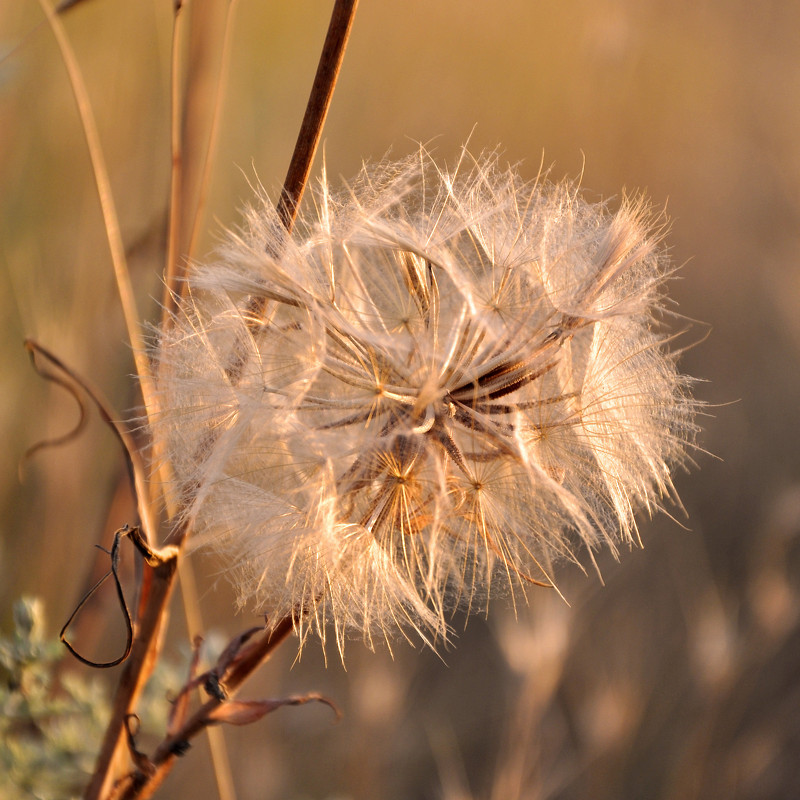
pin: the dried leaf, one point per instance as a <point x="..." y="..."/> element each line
<point x="243" y="712"/>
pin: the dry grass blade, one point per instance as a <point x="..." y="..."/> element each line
<point x="194" y="623"/>
<point x="107" y="205"/>
<point x="171" y="268"/>
<point x="213" y="135"/>
<point x="191" y="173"/>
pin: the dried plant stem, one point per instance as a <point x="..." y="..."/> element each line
<point x="303" y="157"/>
<point x="174" y="269"/>
<point x="213" y="134"/>
<point x="161" y="568"/>
<point x="316" y="110"/>
<point x="174" y="287"/>
<point x="176" y="151"/>
<point x="194" y="624"/>
<point x="140" y="784"/>
<point x="110" y="218"/>
<point x="152" y="615"/>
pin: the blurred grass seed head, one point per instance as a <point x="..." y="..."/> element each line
<point x="455" y="378"/>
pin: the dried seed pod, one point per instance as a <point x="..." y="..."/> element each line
<point x="453" y="379"/>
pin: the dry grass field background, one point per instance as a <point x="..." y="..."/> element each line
<point x="678" y="677"/>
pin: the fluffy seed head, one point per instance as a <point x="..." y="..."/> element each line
<point x="441" y="383"/>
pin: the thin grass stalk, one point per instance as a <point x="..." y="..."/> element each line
<point x="220" y="761"/>
<point x="176" y="154"/>
<point x="213" y="134"/>
<point x="186" y="86"/>
<point x="107" y="205"/>
<point x="174" y="286"/>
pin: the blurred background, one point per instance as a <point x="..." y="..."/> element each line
<point x="676" y="679"/>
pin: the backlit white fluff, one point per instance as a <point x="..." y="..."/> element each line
<point x="440" y="384"/>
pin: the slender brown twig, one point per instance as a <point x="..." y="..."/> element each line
<point x="316" y="110"/>
<point x="303" y="156"/>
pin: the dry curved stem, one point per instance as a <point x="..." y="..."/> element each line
<point x="114" y="555"/>
<point x="159" y="578"/>
<point x="65" y="438"/>
<point x="106" y="198"/>
<point x="70" y="380"/>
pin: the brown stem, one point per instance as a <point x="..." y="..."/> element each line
<point x="303" y="157"/>
<point x="172" y="267"/>
<point x="157" y="586"/>
<point x="158" y="580"/>
<point x="316" y="110"/>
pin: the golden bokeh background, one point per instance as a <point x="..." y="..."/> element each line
<point x="676" y="679"/>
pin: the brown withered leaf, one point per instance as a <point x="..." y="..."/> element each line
<point x="243" y="712"/>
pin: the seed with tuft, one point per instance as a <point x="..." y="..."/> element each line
<point x="451" y="379"/>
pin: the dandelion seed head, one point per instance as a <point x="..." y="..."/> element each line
<point x="452" y="379"/>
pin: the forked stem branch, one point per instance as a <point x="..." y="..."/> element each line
<point x="142" y="783"/>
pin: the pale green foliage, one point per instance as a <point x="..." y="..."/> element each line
<point x="51" y="721"/>
<point x="49" y="732"/>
